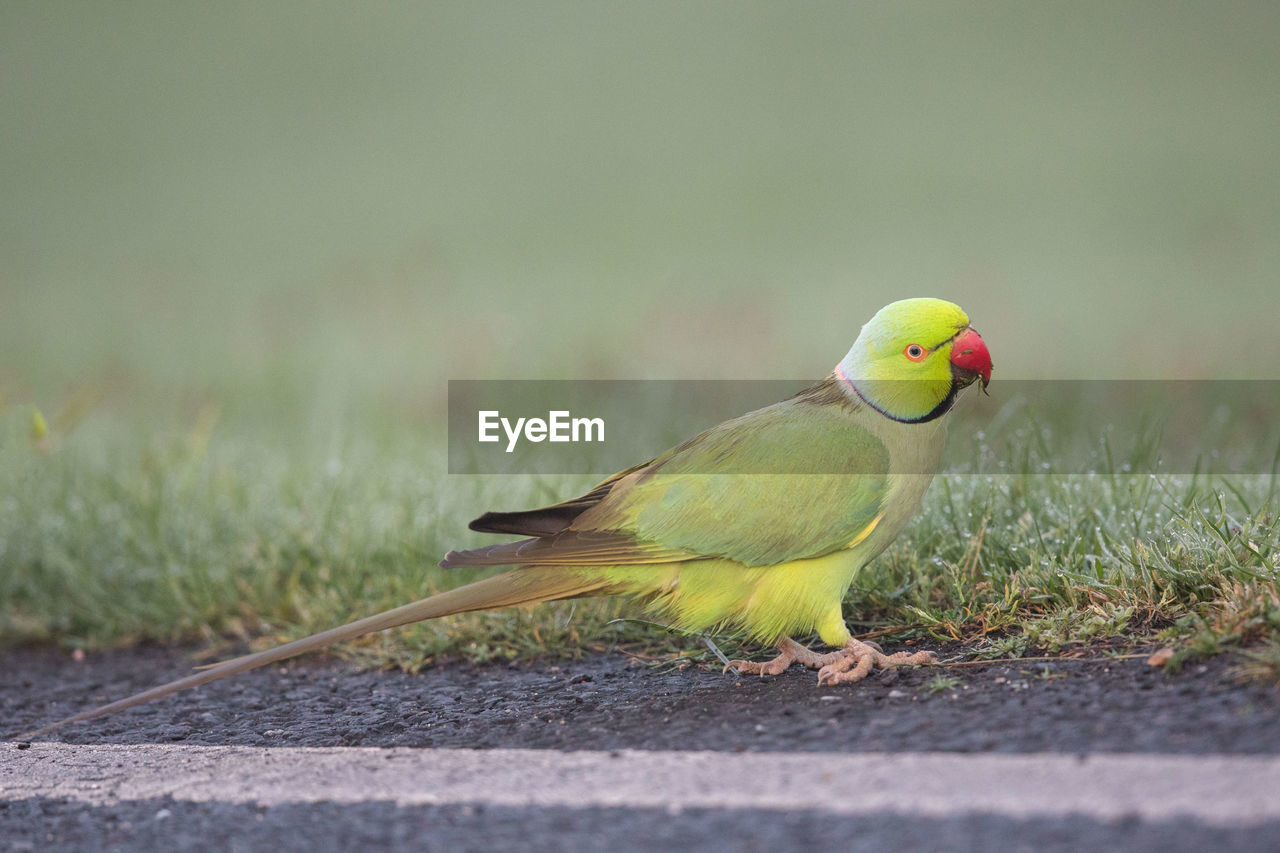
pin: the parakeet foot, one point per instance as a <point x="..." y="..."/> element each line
<point x="789" y="652"/>
<point x="857" y="659"/>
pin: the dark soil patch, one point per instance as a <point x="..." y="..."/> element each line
<point x="609" y="701"/>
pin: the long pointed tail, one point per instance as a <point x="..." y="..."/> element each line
<point x="517" y="587"/>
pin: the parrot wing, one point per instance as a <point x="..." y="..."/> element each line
<point x="807" y="462"/>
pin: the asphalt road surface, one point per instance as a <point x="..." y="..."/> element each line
<point x="608" y="753"/>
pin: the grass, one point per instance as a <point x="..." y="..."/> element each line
<point x="214" y="532"/>
<point x="941" y="684"/>
<point x="1055" y="562"/>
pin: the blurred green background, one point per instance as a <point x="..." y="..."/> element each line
<point x="243" y="247"/>
<point x="374" y="198"/>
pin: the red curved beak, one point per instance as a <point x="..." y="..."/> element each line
<point x="969" y="354"/>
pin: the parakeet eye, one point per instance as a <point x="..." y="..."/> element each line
<point x="915" y="352"/>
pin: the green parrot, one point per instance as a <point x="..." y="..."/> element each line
<point x="758" y="525"/>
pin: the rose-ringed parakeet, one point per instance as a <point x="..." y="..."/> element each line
<point x="759" y="524"/>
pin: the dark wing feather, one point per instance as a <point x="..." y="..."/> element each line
<point x="547" y="520"/>
<point x="569" y="548"/>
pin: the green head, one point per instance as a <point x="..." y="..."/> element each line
<point x="913" y="357"/>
